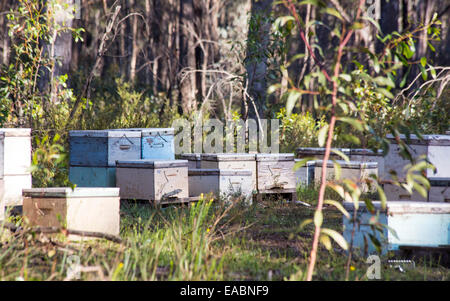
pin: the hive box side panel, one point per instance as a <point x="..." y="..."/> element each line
<point x="92" y="176"/>
<point x="275" y="174"/>
<point x="158" y="147"/>
<point x="89" y="151"/>
<point x="394" y="192"/>
<point x="363" y="230"/>
<point x="94" y="214"/>
<point x="13" y="186"/>
<point x="45" y="212"/>
<point x="205" y="184"/>
<point x="419" y="229"/>
<point x="171" y="182"/>
<point x="136" y="183"/>
<point x="378" y="159"/>
<point x="123" y="148"/>
<point x="393" y="160"/>
<point x="230" y="185"/>
<point x="233" y="165"/>
<point x="440" y="158"/>
<point x="2" y="201"/>
<point x="17" y="155"/>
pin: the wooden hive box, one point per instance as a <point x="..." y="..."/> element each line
<point x="353" y="170"/>
<point x="437" y="149"/>
<point x="81" y="209"/>
<point x="233" y="161"/>
<point x="85" y="176"/>
<point x="194" y="160"/>
<point x="15" y="164"/>
<point x="317" y="153"/>
<point x="368" y="155"/>
<point x="102" y="148"/>
<point x="152" y="180"/>
<point x="220" y="182"/>
<point x="425" y="224"/>
<point x="275" y="171"/>
<point x="304" y="176"/>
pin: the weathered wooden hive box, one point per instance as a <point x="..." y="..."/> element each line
<point x="15" y="163"/>
<point x="368" y="155"/>
<point x="234" y="161"/>
<point x="81" y="209"/>
<point x="304" y="175"/>
<point x="317" y="153"/>
<point x="158" y="144"/>
<point x="437" y="150"/>
<point x="275" y="171"/>
<point x="220" y="182"/>
<point x="356" y="171"/>
<point x="424" y="224"/>
<point x="152" y="180"/>
<point x="194" y="160"/>
<point x="93" y="155"/>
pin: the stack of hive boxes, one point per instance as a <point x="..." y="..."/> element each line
<point x="436" y="148"/>
<point x="155" y="175"/>
<point x="15" y="163"/>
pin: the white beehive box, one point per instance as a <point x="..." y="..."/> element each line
<point x="437" y="150"/>
<point x="220" y="182"/>
<point x="152" y="180"/>
<point x="435" y="147"/>
<point x="368" y="155"/>
<point x="358" y="172"/>
<point x="194" y="160"/>
<point x="275" y="171"/>
<point x="234" y="161"/>
<point x="15" y="163"/>
<point x="81" y="209"/>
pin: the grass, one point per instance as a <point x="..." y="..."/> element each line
<point x="206" y="241"/>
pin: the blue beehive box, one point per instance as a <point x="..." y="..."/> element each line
<point x="421" y="224"/>
<point x="101" y="148"/>
<point x="85" y="176"/>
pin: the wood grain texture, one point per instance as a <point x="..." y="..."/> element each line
<point x="275" y="174"/>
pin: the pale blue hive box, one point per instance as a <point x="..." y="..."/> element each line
<point x="425" y="224"/>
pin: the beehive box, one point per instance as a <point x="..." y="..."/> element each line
<point x="194" y="160"/>
<point x="152" y="180"/>
<point x="436" y="148"/>
<point x="425" y="224"/>
<point x="84" y="176"/>
<point x="352" y="170"/>
<point x="368" y="155"/>
<point x="15" y="163"/>
<point x="101" y="148"/>
<point x="304" y="175"/>
<point x="81" y="209"/>
<point x="439" y="192"/>
<point x="220" y="182"/>
<point x="156" y="143"/>
<point x="275" y="171"/>
<point x="234" y="161"/>
<point x="318" y="153"/>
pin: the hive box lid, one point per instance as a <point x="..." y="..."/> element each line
<point x="144" y="163"/>
<point x="348" y="164"/>
<point x="106" y="133"/>
<point x="228" y="157"/>
<point x="443" y="140"/>
<point x="15" y="132"/>
<point x="318" y="150"/>
<point x="274" y="157"/>
<point x="406" y="207"/>
<point x="307" y="164"/>
<point x="366" y="152"/>
<point x="149" y="131"/>
<point x="219" y="172"/>
<point x="67" y="192"/>
<point x="195" y="156"/>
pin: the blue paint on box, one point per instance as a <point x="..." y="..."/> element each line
<point x="93" y="176"/>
